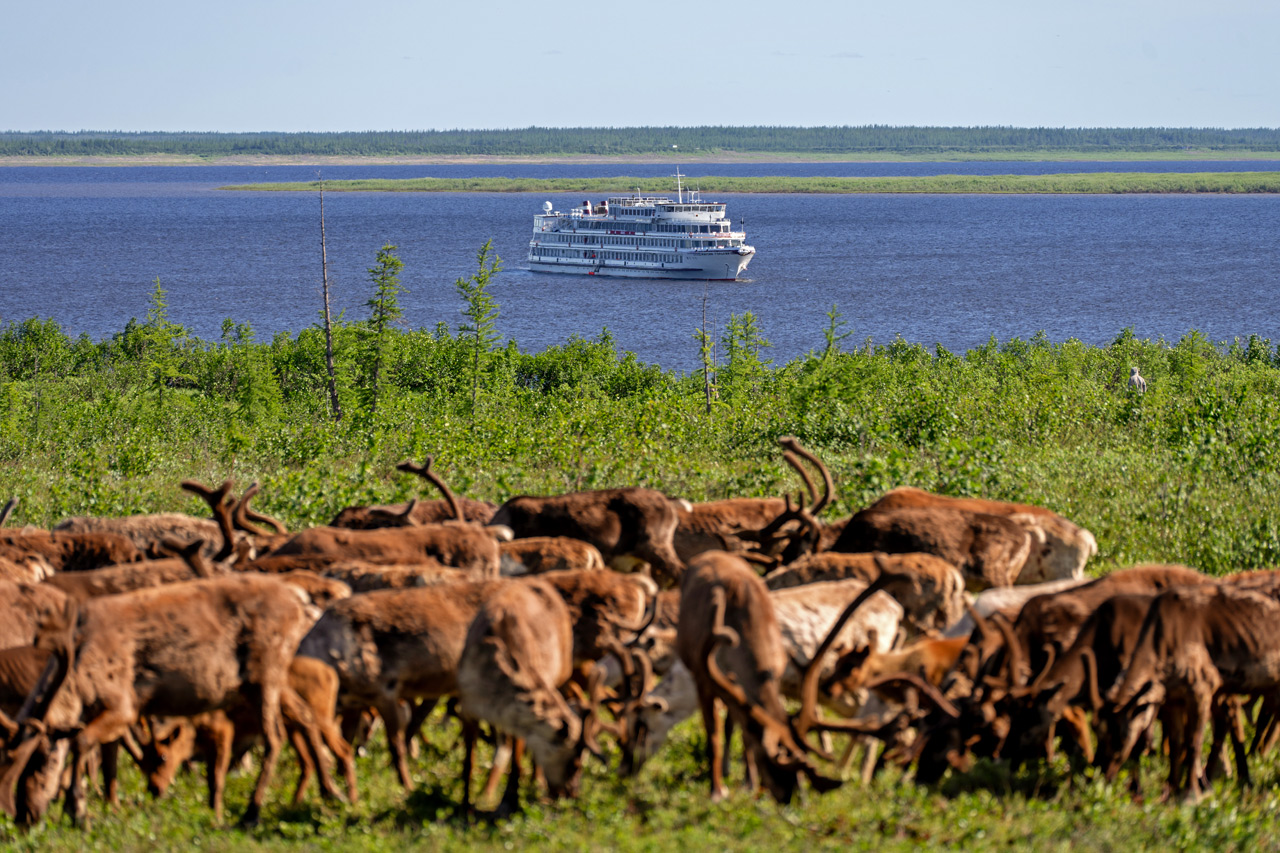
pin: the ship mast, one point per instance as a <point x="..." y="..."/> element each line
<point x="679" y="190"/>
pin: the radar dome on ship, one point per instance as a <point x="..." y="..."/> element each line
<point x="546" y="207"/>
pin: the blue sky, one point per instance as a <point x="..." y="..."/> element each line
<point x="328" y="66"/>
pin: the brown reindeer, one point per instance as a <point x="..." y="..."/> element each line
<point x="1066" y="687"/>
<point x="1197" y="646"/>
<point x="307" y="706"/>
<point x="1062" y="549"/>
<point x="536" y="555"/>
<point x="518" y="653"/>
<point x="113" y="580"/>
<point x="416" y="512"/>
<point x="35" y="739"/>
<point x="470" y="547"/>
<point x="990" y="550"/>
<point x="66" y="551"/>
<point x="626" y="525"/>
<point x="771" y="530"/>
<point x="1048" y="623"/>
<point x="930" y="590"/>
<point x="180" y="650"/>
<point x="149" y="532"/>
<point x="729" y="638"/>
<point x="397" y="644"/>
<point x="411" y="513"/>
<point x="805" y="614"/>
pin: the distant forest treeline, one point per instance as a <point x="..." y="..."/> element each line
<point x="534" y="141"/>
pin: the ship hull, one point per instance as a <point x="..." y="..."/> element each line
<point x="715" y="266"/>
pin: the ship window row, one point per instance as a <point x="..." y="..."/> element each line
<point x="694" y="229"/>
<point x="670" y="227"/>
<point x="635" y="257"/>
<point x="592" y="240"/>
<point x="662" y="227"/>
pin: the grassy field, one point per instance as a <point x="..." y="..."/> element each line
<point x="1188" y="472"/>
<point x="1097" y="182"/>
<point x="665" y="807"/>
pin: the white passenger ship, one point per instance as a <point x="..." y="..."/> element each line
<point x="642" y="237"/>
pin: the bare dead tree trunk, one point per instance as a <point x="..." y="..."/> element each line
<point x="328" y="322"/>
<point x="707" y="351"/>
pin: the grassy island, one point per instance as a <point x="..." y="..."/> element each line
<point x="1092" y="183"/>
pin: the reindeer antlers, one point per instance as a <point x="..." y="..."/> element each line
<point x="216" y="499"/>
<point x="424" y="471"/>
<point x="770" y="537"/>
<point x="245" y="515"/>
<point x="793" y="448"/>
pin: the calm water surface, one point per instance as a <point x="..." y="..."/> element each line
<point x="82" y="245"/>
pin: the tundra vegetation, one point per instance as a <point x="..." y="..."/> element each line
<point x="872" y="142"/>
<point x="1186" y="472"/>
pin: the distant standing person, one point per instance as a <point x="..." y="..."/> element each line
<point x="1136" y="381"/>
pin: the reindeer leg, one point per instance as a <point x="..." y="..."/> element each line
<point x="469" y="732"/>
<point x="870" y="760"/>
<point x="394" y="723"/>
<point x="726" y="755"/>
<point x="110" y="772"/>
<point x="307" y="740"/>
<point x="76" y="803"/>
<point x="1202" y="711"/>
<point x="511" y="797"/>
<point x="343" y="754"/>
<point x="272" y="735"/>
<point x="218" y="762"/>
<point x="306" y="763"/>
<point x="1238" y="748"/>
<point x="501" y="761"/>
<point x="711" y="722"/>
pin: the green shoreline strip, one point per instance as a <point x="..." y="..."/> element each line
<point x="1094" y="182"/>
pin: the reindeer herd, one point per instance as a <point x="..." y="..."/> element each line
<point x="924" y="631"/>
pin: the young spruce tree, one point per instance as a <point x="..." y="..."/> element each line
<point x="481" y="311"/>
<point x="384" y="309"/>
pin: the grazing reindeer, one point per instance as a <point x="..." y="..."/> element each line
<point x="805" y="614"/>
<point x="1197" y="646"/>
<point x="1060" y="550"/>
<point x="626" y="525"/>
<point x="178" y="650"/>
<point x="518" y="653"/>
<point x="307" y="705"/>
<point x="770" y="530"/>
<point x="726" y="615"/>
<point x="148" y="532"/>
<point x="397" y="644"/>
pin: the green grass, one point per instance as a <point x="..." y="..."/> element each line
<point x="1097" y="182"/>
<point x="665" y="807"/>
<point x="1188" y="472"/>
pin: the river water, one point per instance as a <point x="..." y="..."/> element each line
<point x="84" y="245"/>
